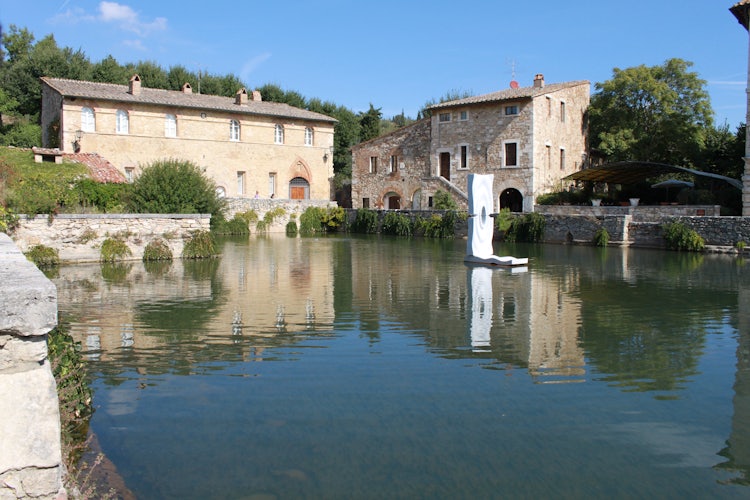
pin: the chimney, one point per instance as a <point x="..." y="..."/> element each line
<point x="240" y="97"/>
<point x="135" y="85"/>
<point x="256" y="96"/>
<point x="187" y="89"/>
<point x="539" y="81"/>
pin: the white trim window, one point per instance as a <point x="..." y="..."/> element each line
<point x="510" y="154"/>
<point x="511" y="110"/>
<point x="88" y="121"/>
<point x="234" y="130"/>
<point x="170" y="125"/>
<point x="240" y="183"/>
<point x="373" y="164"/>
<point x="278" y="134"/>
<point x="308" y="136"/>
<point x="463" y="116"/>
<point x="393" y="165"/>
<point x="123" y="122"/>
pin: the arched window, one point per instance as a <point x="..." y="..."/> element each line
<point x="299" y="189"/>
<point x="123" y="122"/>
<point x="278" y="134"/>
<point x="170" y="126"/>
<point x="308" y="136"/>
<point x="88" y="122"/>
<point x="234" y="130"/>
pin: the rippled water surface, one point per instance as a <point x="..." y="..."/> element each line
<point x="347" y="367"/>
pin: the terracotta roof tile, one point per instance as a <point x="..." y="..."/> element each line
<point x="178" y="99"/>
<point x="101" y="170"/>
<point x="511" y="94"/>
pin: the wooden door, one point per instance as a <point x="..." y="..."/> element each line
<point x="445" y="165"/>
<point x="297" y="193"/>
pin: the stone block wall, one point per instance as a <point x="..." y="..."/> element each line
<point x="78" y="238"/>
<point x="30" y="451"/>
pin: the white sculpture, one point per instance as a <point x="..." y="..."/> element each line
<point x="481" y="225"/>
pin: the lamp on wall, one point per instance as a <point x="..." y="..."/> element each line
<point x="328" y="153"/>
<point x="77" y="142"/>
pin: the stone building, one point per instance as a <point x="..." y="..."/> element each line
<point x="244" y="144"/>
<point x="741" y="11"/>
<point x="528" y="137"/>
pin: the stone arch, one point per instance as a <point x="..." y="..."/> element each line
<point x="392" y="200"/>
<point x="511" y="198"/>
<point x="300" y="168"/>
<point x="416" y="199"/>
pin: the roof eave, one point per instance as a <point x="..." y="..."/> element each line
<point x="740" y="11"/>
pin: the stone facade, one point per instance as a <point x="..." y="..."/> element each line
<point x="529" y="138"/>
<point x="741" y="11"/>
<point x="244" y="144"/>
<point x="30" y="450"/>
<point x="78" y="238"/>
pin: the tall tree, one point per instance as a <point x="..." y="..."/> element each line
<point x="108" y="70"/>
<point x="152" y="75"/>
<point x="370" y="123"/>
<point x="657" y="113"/>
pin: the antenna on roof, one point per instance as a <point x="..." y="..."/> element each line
<point x="513" y="82"/>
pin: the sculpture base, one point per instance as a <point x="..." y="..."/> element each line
<point x="494" y="260"/>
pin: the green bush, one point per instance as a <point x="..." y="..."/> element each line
<point x="397" y="224"/>
<point x="529" y="227"/>
<point x="238" y="225"/>
<point x="601" y="238"/>
<point x="113" y="250"/>
<point x="562" y="197"/>
<point x="332" y="218"/>
<point x="438" y="226"/>
<point x="201" y="245"/>
<point x="173" y="186"/>
<point x="291" y="228"/>
<point x="366" y="221"/>
<point x="310" y="221"/>
<point x="681" y="237"/>
<point x="157" y="249"/>
<point x="442" y="200"/>
<point x="262" y="225"/>
<point x="43" y="256"/>
<point x="106" y="197"/>
<point x="503" y="219"/>
<point x="8" y="220"/>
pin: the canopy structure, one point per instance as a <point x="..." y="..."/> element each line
<point x="631" y="172"/>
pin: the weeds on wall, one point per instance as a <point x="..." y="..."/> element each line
<point x="157" y="249"/>
<point x="680" y="237"/>
<point x="201" y="245"/>
<point x="262" y="226"/>
<point x="437" y="226"/>
<point x="503" y="220"/>
<point x="291" y="228"/>
<point x="601" y="237"/>
<point x="114" y="250"/>
<point x="43" y="256"/>
<point x="366" y="221"/>
<point x="397" y="224"/>
<point x="528" y="227"/>
<point x="8" y="220"/>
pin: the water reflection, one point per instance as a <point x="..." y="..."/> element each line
<point x="636" y="330"/>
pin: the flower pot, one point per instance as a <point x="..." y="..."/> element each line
<point x="596" y="202"/>
<point x="634" y="202"/>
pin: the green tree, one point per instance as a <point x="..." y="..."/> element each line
<point x="723" y="151"/>
<point x="657" y="113"/>
<point x="152" y="75"/>
<point x="370" y="123"/>
<point x="173" y="186"/>
<point x="108" y="70"/>
<point x="451" y="95"/>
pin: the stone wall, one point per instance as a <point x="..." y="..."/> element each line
<point x="78" y="238"/>
<point x="30" y="451"/>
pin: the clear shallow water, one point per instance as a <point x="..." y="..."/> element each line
<point x="348" y="367"/>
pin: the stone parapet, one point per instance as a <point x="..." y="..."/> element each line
<point x="30" y="451"/>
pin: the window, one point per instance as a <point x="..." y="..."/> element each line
<point x="129" y="174"/>
<point x="464" y="157"/>
<point x="464" y="116"/>
<point x="123" y="122"/>
<point x="429" y="202"/>
<point x="373" y="164"/>
<point x="278" y="134"/>
<point x="308" y="136"/>
<point x="562" y="112"/>
<point x="444" y="117"/>
<point x="170" y="126"/>
<point x="365" y="202"/>
<point x="549" y="105"/>
<point x="511" y="154"/>
<point x="393" y="164"/>
<point x="240" y="183"/>
<point x="511" y="110"/>
<point x="272" y="184"/>
<point x="88" y="124"/>
<point x="562" y="158"/>
<point x="234" y="130"/>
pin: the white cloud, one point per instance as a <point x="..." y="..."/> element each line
<point x="128" y="19"/>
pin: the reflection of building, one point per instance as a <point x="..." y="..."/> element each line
<point x="245" y="144"/>
<point x="529" y="138"/>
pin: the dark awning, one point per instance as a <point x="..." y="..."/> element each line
<point x="631" y="172"/>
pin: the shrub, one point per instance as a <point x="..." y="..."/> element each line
<point x="87" y="235"/>
<point x="529" y="227"/>
<point x="397" y="224"/>
<point x="106" y="197"/>
<point x="310" y="221"/>
<point x="442" y="200"/>
<point x="601" y="238"/>
<point x="291" y="228"/>
<point x="173" y="186"/>
<point x="503" y="219"/>
<point x="332" y="217"/>
<point x="438" y="226"/>
<point x="113" y="250"/>
<point x="201" y="245"/>
<point x="366" y="221"/>
<point x="269" y="218"/>
<point x="681" y="237"/>
<point x="238" y="224"/>
<point x="8" y="220"/>
<point x="43" y="256"/>
<point x="157" y="249"/>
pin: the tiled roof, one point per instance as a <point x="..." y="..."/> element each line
<point x="740" y="11"/>
<point x="101" y="170"/>
<point x="511" y="94"/>
<point x="178" y="99"/>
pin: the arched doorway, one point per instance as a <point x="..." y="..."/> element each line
<point x="513" y="199"/>
<point x="392" y="201"/>
<point x="299" y="189"/>
<point x="416" y="200"/>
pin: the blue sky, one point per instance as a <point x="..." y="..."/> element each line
<point x="397" y="55"/>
